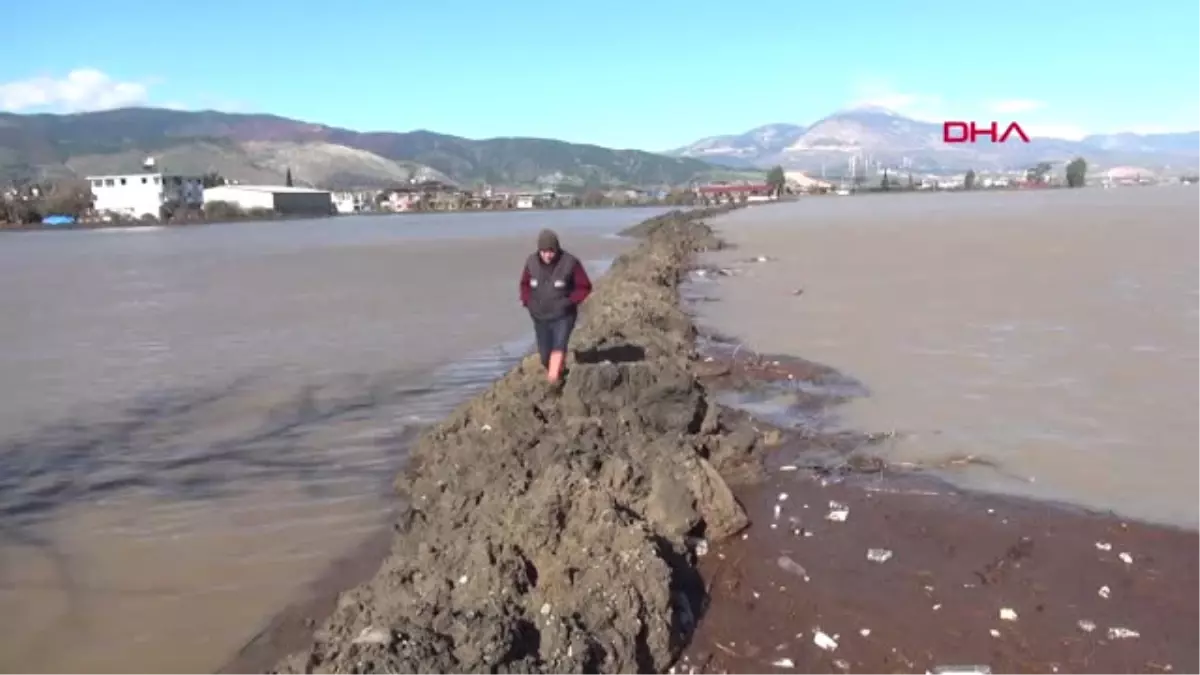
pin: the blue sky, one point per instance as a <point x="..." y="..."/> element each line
<point x="653" y="74"/>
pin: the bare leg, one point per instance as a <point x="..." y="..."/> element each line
<point x="556" y="365"/>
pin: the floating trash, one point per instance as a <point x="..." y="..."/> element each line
<point x="1126" y="558"/>
<point x="824" y="641"/>
<point x="1007" y="614"/>
<point x="1103" y="546"/>
<point x="838" y="512"/>
<point x="1086" y="626"/>
<point x="1118" y="633"/>
<point x="879" y="555"/>
<point x="1104" y="592"/>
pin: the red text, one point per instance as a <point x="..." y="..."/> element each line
<point x="969" y="132"/>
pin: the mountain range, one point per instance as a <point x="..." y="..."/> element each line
<point x="890" y="139"/>
<point x="258" y="148"/>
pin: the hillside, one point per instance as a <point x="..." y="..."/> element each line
<point x="251" y="147"/>
<point x="894" y="140"/>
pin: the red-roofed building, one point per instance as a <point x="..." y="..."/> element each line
<point x="756" y="192"/>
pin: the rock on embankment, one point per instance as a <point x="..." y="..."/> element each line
<point x="553" y="532"/>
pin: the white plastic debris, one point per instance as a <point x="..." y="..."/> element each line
<point x="701" y="548"/>
<point x="545" y="609"/>
<point x="842" y="664"/>
<point x="1104" y="592"/>
<point x="878" y="555"/>
<point x="1118" y="633"/>
<point x="823" y="641"/>
<point x="784" y="663"/>
<point x="373" y="636"/>
<point x="462" y="580"/>
<point x="486" y="427"/>
<point x="995" y="633"/>
<point x="783" y="496"/>
<point x="937" y="607"/>
<point x="778" y="510"/>
<point x="865" y="632"/>
<point x="1086" y="625"/>
<point x="788" y="467"/>
<point x="761" y="258"/>
<point x="1103" y="546"/>
<point x="837" y="512"/>
<point x="1126" y="558"/>
<point x="1007" y="614"/>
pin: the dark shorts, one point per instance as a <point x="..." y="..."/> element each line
<point x="553" y="335"/>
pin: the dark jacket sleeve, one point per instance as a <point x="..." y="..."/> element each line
<point x="524" y="286"/>
<point x="581" y="285"/>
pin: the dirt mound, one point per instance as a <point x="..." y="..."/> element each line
<point x="557" y="532"/>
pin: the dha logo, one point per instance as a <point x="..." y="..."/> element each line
<point x="969" y="132"/>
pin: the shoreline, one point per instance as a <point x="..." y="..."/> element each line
<point x="1088" y="591"/>
<point x="156" y="224"/>
<point x="662" y="510"/>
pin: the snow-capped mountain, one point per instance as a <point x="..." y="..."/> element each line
<point x="890" y="139"/>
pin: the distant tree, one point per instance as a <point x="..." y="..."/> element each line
<point x="1039" y="173"/>
<point x="1077" y="172"/>
<point x="884" y="184"/>
<point x="288" y="178"/>
<point x="680" y="197"/>
<point x="776" y="180"/>
<point x="594" y="198"/>
<point x="220" y="210"/>
<point x="212" y="179"/>
<point x="969" y="180"/>
<point x="66" y="198"/>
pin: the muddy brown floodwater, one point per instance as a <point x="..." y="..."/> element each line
<point x="906" y="573"/>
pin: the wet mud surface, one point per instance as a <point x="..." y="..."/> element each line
<point x="853" y="565"/>
<point x="635" y="520"/>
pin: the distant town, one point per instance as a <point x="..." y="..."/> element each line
<point x="154" y="196"/>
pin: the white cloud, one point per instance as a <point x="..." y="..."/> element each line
<point x="1068" y="132"/>
<point x="81" y="90"/>
<point x="1015" y="105"/>
<point x="924" y="107"/>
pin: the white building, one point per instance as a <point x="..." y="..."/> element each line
<point x="348" y="202"/>
<point x="140" y="194"/>
<point x="278" y="198"/>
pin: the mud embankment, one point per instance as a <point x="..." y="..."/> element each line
<point x="557" y="531"/>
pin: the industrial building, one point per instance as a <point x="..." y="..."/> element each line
<point x="143" y="194"/>
<point x="291" y="201"/>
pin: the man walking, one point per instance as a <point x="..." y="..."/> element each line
<point x="553" y="284"/>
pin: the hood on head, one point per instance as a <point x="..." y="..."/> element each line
<point x="547" y="241"/>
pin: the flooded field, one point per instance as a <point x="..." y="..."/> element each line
<point x="197" y="421"/>
<point x="1052" y="334"/>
